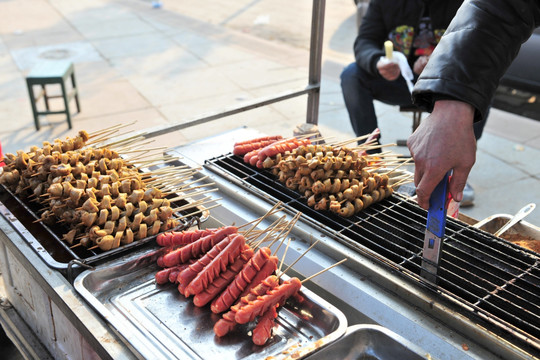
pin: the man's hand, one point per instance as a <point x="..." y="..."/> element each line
<point x="388" y="70"/>
<point x="420" y="64"/>
<point x="443" y="141"/>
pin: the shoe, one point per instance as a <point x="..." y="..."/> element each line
<point x="468" y="196"/>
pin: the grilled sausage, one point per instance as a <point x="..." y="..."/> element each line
<point x="216" y="265"/>
<point x="263" y="330"/>
<point x="276" y="296"/>
<point x="224" y="279"/>
<point x="196" y="248"/>
<point x="186" y="276"/>
<point x="233" y="291"/>
<point x="224" y="325"/>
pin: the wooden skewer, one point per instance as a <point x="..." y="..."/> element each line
<point x="305" y="136"/>
<point x="376" y="166"/>
<point x="170" y="183"/>
<point x="156" y="162"/>
<point x="113" y="127"/>
<point x="400" y="177"/>
<point x="171" y="168"/>
<point x="386" y="160"/>
<point x="138" y="147"/>
<point x="158" y="157"/>
<point x="345" y="142"/>
<point x="149" y="162"/>
<point x="379" y="155"/>
<point x="365" y="144"/>
<point x="252" y="221"/>
<point x="378" y="147"/>
<point x="196" y="203"/>
<point x="93" y="247"/>
<point x="193" y="213"/>
<point x="181" y="184"/>
<point x="168" y="178"/>
<point x="403" y="181"/>
<point x="165" y="171"/>
<point x="197" y="180"/>
<point x="400" y="165"/>
<point x="100" y="143"/>
<point x="255" y="233"/>
<point x="295" y="261"/>
<point x="134" y="138"/>
<point x="321" y="139"/>
<point x="282" y="228"/>
<point x="269" y="231"/>
<point x="184" y="174"/>
<point x="291" y="225"/>
<point x="192" y="194"/>
<point x="145" y="153"/>
<point x="74" y="246"/>
<point x="264" y="216"/>
<point x="284" y="254"/>
<point x="196" y="187"/>
<point x="148" y="153"/>
<point x="267" y="237"/>
<point x="320" y="272"/>
<point x="99" y="140"/>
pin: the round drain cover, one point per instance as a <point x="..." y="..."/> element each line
<point x="55" y="54"/>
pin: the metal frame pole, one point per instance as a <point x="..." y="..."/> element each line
<point x="315" y="60"/>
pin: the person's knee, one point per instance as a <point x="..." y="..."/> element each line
<point x="347" y="74"/>
<point x="351" y="79"/>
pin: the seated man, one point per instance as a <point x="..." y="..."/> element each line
<point x="414" y="27"/>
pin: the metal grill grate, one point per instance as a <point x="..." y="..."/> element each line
<point x="491" y="280"/>
<point x="47" y="239"/>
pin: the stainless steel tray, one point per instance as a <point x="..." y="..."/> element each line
<point x="493" y="223"/>
<point x="521" y="229"/>
<point x="370" y="342"/>
<point x="157" y="322"/>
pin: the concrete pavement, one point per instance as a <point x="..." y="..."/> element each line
<point x="191" y="57"/>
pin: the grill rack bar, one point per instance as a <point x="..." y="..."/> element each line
<point x="488" y="278"/>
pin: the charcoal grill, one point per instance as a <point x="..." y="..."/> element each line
<point x="47" y="241"/>
<point x="487" y="280"/>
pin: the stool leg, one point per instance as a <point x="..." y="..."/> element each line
<point x="76" y="92"/>
<point x="33" y="103"/>
<point x="417" y="116"/>
<point x="66" y="104"/>
<point x="45" y="97"/>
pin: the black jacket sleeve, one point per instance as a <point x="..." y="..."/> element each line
<point x="474" y="53"/>
<point x="372" y="34"/>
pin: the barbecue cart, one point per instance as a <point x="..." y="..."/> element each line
<point x="68" y="303"/>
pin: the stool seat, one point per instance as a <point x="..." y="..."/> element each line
<point x="52" y="72"/>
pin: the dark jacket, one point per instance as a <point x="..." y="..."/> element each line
<point x="385" y="16"/>
<point x="475" y="52"/>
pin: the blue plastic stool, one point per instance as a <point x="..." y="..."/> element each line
<point x="47" y="73"/>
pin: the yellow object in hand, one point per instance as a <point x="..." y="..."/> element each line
<point x="388" y="48"/>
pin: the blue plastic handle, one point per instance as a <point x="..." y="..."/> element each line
<point x="436" y="217"/>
